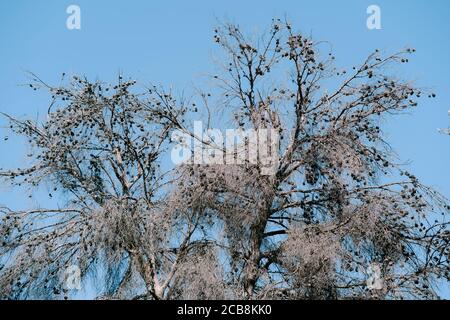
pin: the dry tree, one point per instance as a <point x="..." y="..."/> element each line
<point x="102" y="146"/>
<point x="336" y="205"/>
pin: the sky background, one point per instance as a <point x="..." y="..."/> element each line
<point x="170" y="43"/>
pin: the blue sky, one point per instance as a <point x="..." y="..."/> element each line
<point x="170" y="43"/>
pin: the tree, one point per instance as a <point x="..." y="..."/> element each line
<point x="336" y="205"/>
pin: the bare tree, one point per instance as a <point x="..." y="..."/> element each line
<point x="102" y="148"/>
<point x="336" y="206"/>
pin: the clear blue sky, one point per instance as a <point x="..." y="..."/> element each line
<point x="170" y="42"/>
